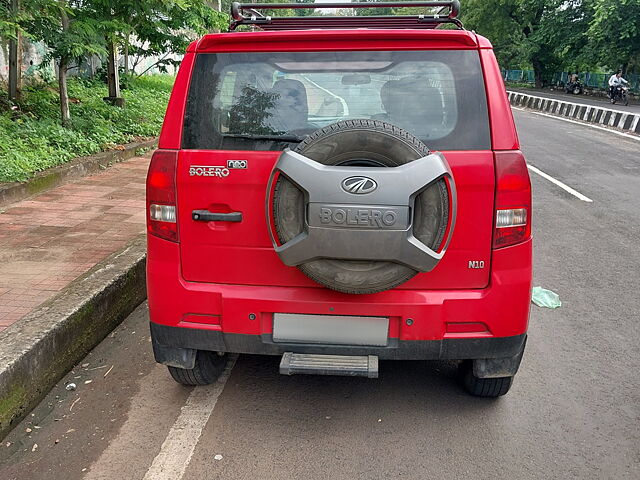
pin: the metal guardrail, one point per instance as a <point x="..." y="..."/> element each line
<point x="589" y="79"/>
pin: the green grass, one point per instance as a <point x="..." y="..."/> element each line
<point x="32" y="139"/>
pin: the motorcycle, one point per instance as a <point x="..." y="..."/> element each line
<point x="621" y="94"/>
<point x="573" y="87"/>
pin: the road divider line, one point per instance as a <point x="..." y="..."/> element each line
<point x="563" y="186"/>
<point x="180" y="443"/>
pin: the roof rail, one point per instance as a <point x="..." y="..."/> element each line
<point x="249" y="14"/>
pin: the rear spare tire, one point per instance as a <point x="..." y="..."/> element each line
<point x="362" y="143"/>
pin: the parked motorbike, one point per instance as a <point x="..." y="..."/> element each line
<point x="620" y="94"/>
<point x="574" y="87"/>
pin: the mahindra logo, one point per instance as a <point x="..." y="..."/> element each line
<point x="359" y="185"/>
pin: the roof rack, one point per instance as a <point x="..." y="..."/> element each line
<point x="249" y="14"/>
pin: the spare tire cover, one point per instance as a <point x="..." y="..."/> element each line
<point x="369" y="143"/>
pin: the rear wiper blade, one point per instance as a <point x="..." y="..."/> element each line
<point x="282" y="138"/>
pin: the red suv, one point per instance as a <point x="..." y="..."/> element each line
<point x="337" y="195"/>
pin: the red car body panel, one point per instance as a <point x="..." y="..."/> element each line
<point x="238" y="247"/>
<point x="499" y="310"/>
<point x="219" y="275"/>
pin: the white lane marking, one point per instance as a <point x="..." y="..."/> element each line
<point x="567" y="188"/>
<point x="177" y="449"/>
<point x="622" y="134"/>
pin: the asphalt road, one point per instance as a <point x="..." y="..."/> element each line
<point x="573" y="412"/>
<point x="602" y="102"/>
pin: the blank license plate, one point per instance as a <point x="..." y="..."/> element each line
<point x="330" y="329"/>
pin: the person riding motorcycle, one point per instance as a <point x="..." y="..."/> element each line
<point x="615" y="81"/>
<point x="573" y="84"/>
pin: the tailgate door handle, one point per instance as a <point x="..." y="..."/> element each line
<point x="207" y="216"/>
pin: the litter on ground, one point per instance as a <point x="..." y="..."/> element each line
<point x="545" y="298"/>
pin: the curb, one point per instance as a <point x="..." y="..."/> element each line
<point x="629" y="122"/>
<point x="76" y="168"/>
<point x="39" y="349"/>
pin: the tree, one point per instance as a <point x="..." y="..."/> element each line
<point x="70" y="31"/>
<point x="614" y="33"/>
<point x="11" y="12"/>
<point x="165" y="27"/>
<point x="10" y="16"/>
<point x="545" y="35"/>
<point x="150" y="28"/>
<point x="564" y="31"/>
<point x="513" y="26"/>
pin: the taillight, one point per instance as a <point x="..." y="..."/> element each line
<point x="513" y="199"/>
<point x="161" y="195"/>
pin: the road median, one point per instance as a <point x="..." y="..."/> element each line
<point x="609" y="117"/>
<point x="45" y="344"/>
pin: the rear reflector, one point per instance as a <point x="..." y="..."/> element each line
<point x="466" y="327"/>
<point x="513" y="199"/>
<point x="161" y="195"/>
<point x="201" y="318"/>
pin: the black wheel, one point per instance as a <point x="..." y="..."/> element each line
<point x="626" y="100"/>
<point x="359" y="143"/>
<point x="577" y="90"/>
<point x="484" y="387"/>
<point x="207" y="369"/>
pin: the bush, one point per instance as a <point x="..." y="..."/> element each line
<point x="32" y="139"/>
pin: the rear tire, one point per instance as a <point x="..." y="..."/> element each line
<point x="207" y="369"/>
<point x="484" y="387"/>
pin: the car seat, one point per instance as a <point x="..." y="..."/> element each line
<point x="290" y="110"/>
<point x="411" y="104"/>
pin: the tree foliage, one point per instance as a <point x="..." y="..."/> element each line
<point x="70" y="31"/>
<point x="76" y="28"/>
<point x="614" y="32"/>
<point x="80" y="37"/>
<point x="9" y="21"/>
<point x="548" y="35"/>
<point x="165" y="27"/>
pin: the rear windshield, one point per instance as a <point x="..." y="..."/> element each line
<point x="245" y="101"/>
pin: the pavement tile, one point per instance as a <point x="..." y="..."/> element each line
<point x="50" y="239"/>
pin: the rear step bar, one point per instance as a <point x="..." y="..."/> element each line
<point x="351" y="366"/>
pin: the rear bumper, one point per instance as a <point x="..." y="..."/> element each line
<point x="434" y="324"/>
<point x="166" y="339"/>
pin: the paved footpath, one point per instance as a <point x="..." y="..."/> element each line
<point x="49" y="240"/>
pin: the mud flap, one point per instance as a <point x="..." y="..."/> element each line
<point x="174" y="356"/>
<point x="498" y="367"/>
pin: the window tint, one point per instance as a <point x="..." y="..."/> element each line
<point x="436" y="95"/>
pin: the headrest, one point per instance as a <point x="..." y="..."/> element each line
<point x="290" y="110"/>
<point x="412" y="104"/>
